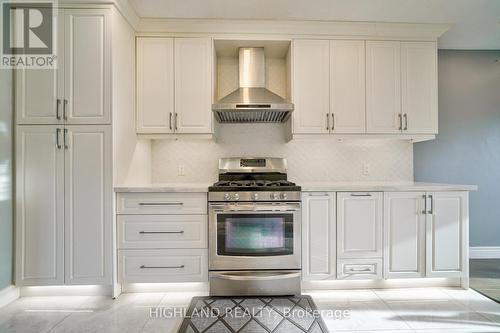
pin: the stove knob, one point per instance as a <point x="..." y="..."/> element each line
<point x="227" y="196"/>
<point x="236" y="196"/>
<point x="283" y="196"/>
<point x="274" y="196"/>
<point x="255" y="196"/>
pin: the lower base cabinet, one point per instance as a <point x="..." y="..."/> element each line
<point x="161" y="266"/>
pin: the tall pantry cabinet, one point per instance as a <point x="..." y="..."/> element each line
<point x="64" y="158"/>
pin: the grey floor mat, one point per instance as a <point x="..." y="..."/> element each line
<point x="485" y="277"/>
<point x="253" y="315"/>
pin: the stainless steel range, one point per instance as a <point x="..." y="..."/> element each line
<point x="254" y="229"/>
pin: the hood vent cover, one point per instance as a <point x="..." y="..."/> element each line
<point x="252" y="102"/>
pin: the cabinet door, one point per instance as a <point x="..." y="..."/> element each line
<point x="383" y="86"/>
<point x="347" y="86"/>
<point x="193" y="85"/>
<point x="311" y="82"/>
<point x="404" y="227"/>
<point x="155" y="85"/>
<point x="359" y="225"/>
<point x="87" y="68"/>
<point x="419" y="87"/>
<point x="318" y="236"/>
<point x="39" y="206"/>
<point x="446" y="228"/>
<point x="39" y="93"/>
<point x="88" y="205"/>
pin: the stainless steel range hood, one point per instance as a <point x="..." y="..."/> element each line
<point x="252" y="102"/>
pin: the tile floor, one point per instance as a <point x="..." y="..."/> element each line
<point x="397" y="310"/>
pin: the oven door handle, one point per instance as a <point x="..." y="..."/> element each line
<point x="235" y="277"/>
<point x="254" y="208"/>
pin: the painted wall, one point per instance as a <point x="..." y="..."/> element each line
<point x="5" y="178"/>
<point x="467" y="149"/>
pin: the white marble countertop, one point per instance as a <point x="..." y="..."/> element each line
<point x="309" y="187"/>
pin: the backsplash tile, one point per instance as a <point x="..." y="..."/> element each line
<point x="309" y="160"/>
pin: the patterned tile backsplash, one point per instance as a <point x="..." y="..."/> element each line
<point x="309" y="160"/>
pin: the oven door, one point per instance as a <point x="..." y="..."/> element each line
<point x="254" y="236"/>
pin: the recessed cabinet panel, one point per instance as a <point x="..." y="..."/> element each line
<point x="318" y="236"/>
<point x="87" y="45"/>
<point x="419" y="87"/>
<point x="193" y="85"/>
<point x="404" y="227"/>
<point x="347" y="86"/>
<point x="383" y="86"/>
<point x="311" y="81"/>
<point x="445" y="227"/>
<point x="359" y="225"/>
<point x="39" y="206"/>
<point x="88" y="204"/>
<point x="155" y="85"/>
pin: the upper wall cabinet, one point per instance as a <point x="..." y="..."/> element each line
<point x="79" y="90"/>
<point x="174" y="85"/>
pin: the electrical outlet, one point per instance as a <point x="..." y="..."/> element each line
<point x="181" y="171"/>
<point x="366" y="169"/>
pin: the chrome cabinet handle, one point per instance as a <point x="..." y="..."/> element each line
<point x="153" y="267"/>
<point x="361" y="195"/>
<point x="170" y="121"/>
<point x="65" y="138"/>
<point x="161" y="232"/>
<point x="175" y="123"/>
<point x="58" y="105"/>
<point x="161" y="203"/>
<point x="431" y="211"/>
<point x="405" y="116"/>
<point x="424" y="211"/>
<point x="58" y="144"/>
<point x="359" y="270"/>
<point x="333" y="121"/>
<point x="400" y="116"/>
<point x="65" y="113"/>
<point x="327" y="121"/>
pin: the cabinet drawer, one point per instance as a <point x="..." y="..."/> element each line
<point x="157" y="266"/>
<point x="356" y="269"/>
<point x="162" y="231"/>
<point x="162" y="203"/>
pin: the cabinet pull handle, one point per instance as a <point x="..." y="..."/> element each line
<point x="161" y="203"/>
<point x="406" y="121"/>
<point x="170" y="121"/>
<point x="161" y="232"/>
<point x="65" y="138"/>
<point x="358" y="270"/>
<point x="431" y="211"/>
<point x="400" y="116"/>
<point x="424" y="211"/>
<point x="175" y="123"/>
<point x="58" y="144"/>
<point x="65" y="112"/>
<point x="58" y="105"/>
<point x="327" y="121"/>
<point x="360" y="195"/>
<point x="147" y="267"/>
<point x="333" y="121"/>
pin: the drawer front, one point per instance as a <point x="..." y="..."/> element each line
<point x="358" y="269"/>
<point x="158" y="266"/>
<point x="162" y="231"/>
<point x="162" y="203"/>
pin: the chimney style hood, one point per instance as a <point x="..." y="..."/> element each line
<point x="252" y="102"/>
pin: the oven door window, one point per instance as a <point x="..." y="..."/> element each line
<point x="254" y="234"/>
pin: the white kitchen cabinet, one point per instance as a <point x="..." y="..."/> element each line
<point x="359" y="225"/>
<point x="318" y="236"/>
<point x="88" y="204"/>
<point x="79" y="90"/>
<point x="419" y="87"/>
<point x="64" y="205"/>
<point x="347" y="86"/>
<point x="87" y="66"/>
<point x="311" y="82"/>
<point x="383" y="86"/>
<point x="447" y="233"/>
<point x="193" y="85"/>
<point x="155" y="85"/>
<point x="39" y="206"/>
<point x="404" y="230"/>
